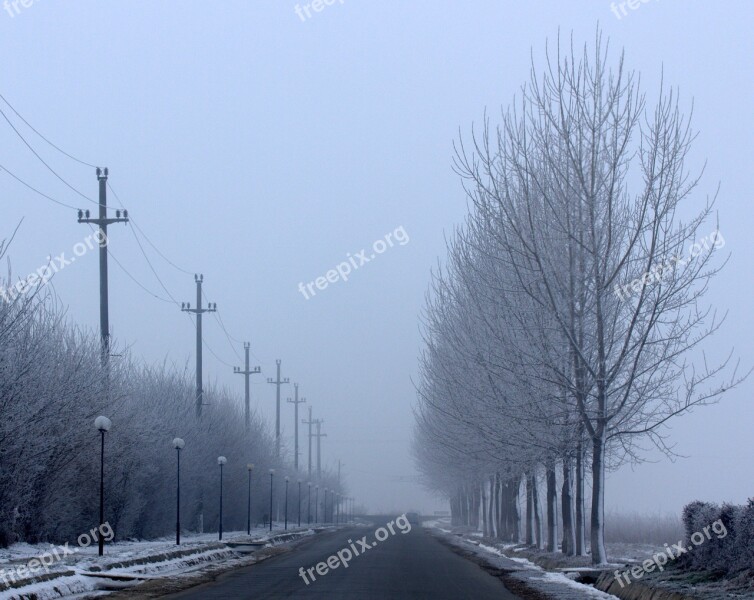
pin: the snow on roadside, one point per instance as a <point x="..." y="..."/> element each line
<point x="557" y="585"/>
<point x="561" y="579"/>
<point x="151" y="559"/>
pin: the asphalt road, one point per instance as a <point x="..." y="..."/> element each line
<point x="412" y="565"/>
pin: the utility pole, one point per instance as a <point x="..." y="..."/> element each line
<point x="340" y="464"/>
<point x="278" y="382"/>
<point x="319" y="435"/>
<point x="296" y="402"/>
<point x="199" y="311"/>
<point x="246" y="372"/>
<point x="310" y="423"/>
<point x="103" y="221"/>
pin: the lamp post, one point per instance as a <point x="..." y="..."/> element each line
<point x="299" y="503"/>
<point x="309" y="504"/>
<point x="324" y="508"/>
<point x="272" y="474"/>
<point x="249" y="468"/>
<point x="337" y="509"/>
<point x="287" y="479"/>
<point x="316" y="505"/>
<point x="178" y="444"/>
<point x="103" y="425"/>
<point x="221" y="460"/>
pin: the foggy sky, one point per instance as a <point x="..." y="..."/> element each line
<point x="260" y="150"/>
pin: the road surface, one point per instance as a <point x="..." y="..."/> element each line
<point x="406" y="566"/>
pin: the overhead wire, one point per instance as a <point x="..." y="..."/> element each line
<point x="30" y="126"/>
<point x="35" y="190"/>
<point x="146" y="237"/>
<point x="43" y="161"/>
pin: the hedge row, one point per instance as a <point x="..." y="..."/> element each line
<point x="721" y="537"/>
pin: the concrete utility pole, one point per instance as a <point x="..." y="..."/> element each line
<point x="340" y="464"/>
<point x="310" y="423"/>
<point x="319" y="435"/>
<point x="278" y="382"/>
<point x="246" y="372"/>
<point x="296" y="402"/>
<point x="103" y="221"/>
<point x="199" y="311"/>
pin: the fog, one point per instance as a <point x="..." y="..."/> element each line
<point x="264" y="150"/>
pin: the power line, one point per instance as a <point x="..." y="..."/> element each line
<point x="146" y="237"/>
<point x="136" y="281"/>
<point x="172" y="300"/>
<point x="30" y="126"/>
<point x="212" y="352"/>
<point x="230" y="337"/>
<point x="35" y="190"/>
<point x="49" y="168"/>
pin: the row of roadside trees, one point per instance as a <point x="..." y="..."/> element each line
<point x="51" y="389"/>
<point x="558" y="329"/>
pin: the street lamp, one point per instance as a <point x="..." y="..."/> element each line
<point x="316" y="505"/>
<point x="178" y="444"/>
<point x="324" y="508"/>
<point x="249" y="468"/>
<point x="287" y="479"/>
<point x="221" y="460"/>
<point x="103" y="425"/>
<point x="309" y="504"/>
<point x="337" y="508"/>
<point x="272" y="474"/>
<point x="299" y="503"/>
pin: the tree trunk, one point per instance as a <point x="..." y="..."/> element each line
<point x="538" y="529"/>
<point x="569" y="539"/>
<point x="599" y="555"/>
<point x="499" y="508"/>
<point x="483" y="497"/>
<point x="580" y="516"/>
<point x="515" y="515"/>
<point x="552" y="509"/>
<point x="529" y="510"/>
<point x="492" y="508"/>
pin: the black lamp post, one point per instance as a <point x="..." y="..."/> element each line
<point x="178" y="444"/>
<point x="249" y="468"/>
<point x="287" y="479"/>
<point x="309" y="504"/>
<point x="221" y="460"/>
<point x="324" y="509"/>
<point x="103" y="425"/>
<point x="272" y="475"/>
